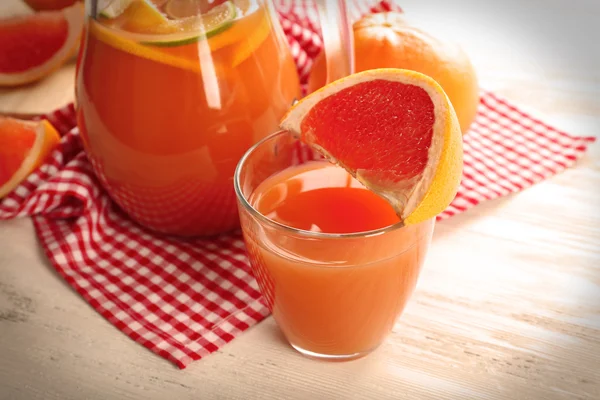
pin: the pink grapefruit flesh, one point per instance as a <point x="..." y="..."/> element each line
<point x="30" y="41"/>
<point x="32" y="46"/>
<point x="16" y="142"/>
<point x="396" y="120"/>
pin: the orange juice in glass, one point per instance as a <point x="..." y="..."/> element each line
<point x="170" y="94"/>
<point x="334" y="263"/>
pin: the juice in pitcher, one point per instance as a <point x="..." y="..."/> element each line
<point x="170" y="94"/>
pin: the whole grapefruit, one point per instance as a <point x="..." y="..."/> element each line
<point x="392" y="40"/>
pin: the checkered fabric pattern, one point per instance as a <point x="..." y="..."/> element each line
<point x="184" y="299"/>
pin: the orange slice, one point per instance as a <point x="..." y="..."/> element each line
<point x="114" y="38"/>
<point x="394" y="130"/>
<point x="24" y="146"/>
<point x="259" y="27"/>
<point x="142" y="16"/>
<point x="34" y="45"/>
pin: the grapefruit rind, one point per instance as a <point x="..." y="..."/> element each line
<point x="46" y="140"/>
<point x="431" y="192"/>
<point x="74" y="17"/>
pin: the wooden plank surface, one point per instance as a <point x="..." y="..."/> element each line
<point x="508" y="306"/>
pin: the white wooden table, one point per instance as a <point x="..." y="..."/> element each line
<point x="508" y="306"/>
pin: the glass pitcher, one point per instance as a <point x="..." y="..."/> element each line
<point x="170" y="94"/>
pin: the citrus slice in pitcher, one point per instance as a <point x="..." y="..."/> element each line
<point x="143" y="17"/>
<point x="260" y="27"/>
<point x="126" y="44"/>
<point x="113" y="8"/>
<point x="394" y="130"/>
<point x="198" y="27"/>
<point x="24" y="146"/>
<point x="143" y="22"/>
<point x="179" y="9"/>
<point x="239" y="23"/>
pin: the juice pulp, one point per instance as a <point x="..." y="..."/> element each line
<point x="164" y="125"/>
<point x="332" y="296"/>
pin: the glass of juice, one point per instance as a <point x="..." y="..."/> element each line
<point x="170" y="94"/>
<point x="334" y="263"/>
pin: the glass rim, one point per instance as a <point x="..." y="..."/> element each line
<point x="286" y="228"/>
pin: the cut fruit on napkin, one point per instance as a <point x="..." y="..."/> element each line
<point x="184" y="299"/>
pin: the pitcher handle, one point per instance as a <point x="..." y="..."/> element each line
<point x="338" y="38"/>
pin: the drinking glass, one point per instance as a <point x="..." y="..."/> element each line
<point x="334" y="296"/>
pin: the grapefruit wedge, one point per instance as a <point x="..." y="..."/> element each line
<point x="394" y="130"/>
<point x="47" y="5"/>
<point x="32" y="46"/>
<point x="24" y="146"/>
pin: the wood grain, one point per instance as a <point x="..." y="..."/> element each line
<point x="508" y="306"/>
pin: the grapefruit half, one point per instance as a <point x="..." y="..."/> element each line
<point x="394" y="130"/>
<point x="24" y="146"/>
<point x="32" y="46"/>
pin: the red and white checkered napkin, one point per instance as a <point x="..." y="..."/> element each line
<point x="184" y="299"/>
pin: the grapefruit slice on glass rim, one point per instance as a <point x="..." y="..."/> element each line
<point x="32" y="46"/>
<point x="24" y="146"/>
<point x="394" y="130"/>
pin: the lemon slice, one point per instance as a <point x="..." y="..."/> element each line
<point x="118" y="40"/>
